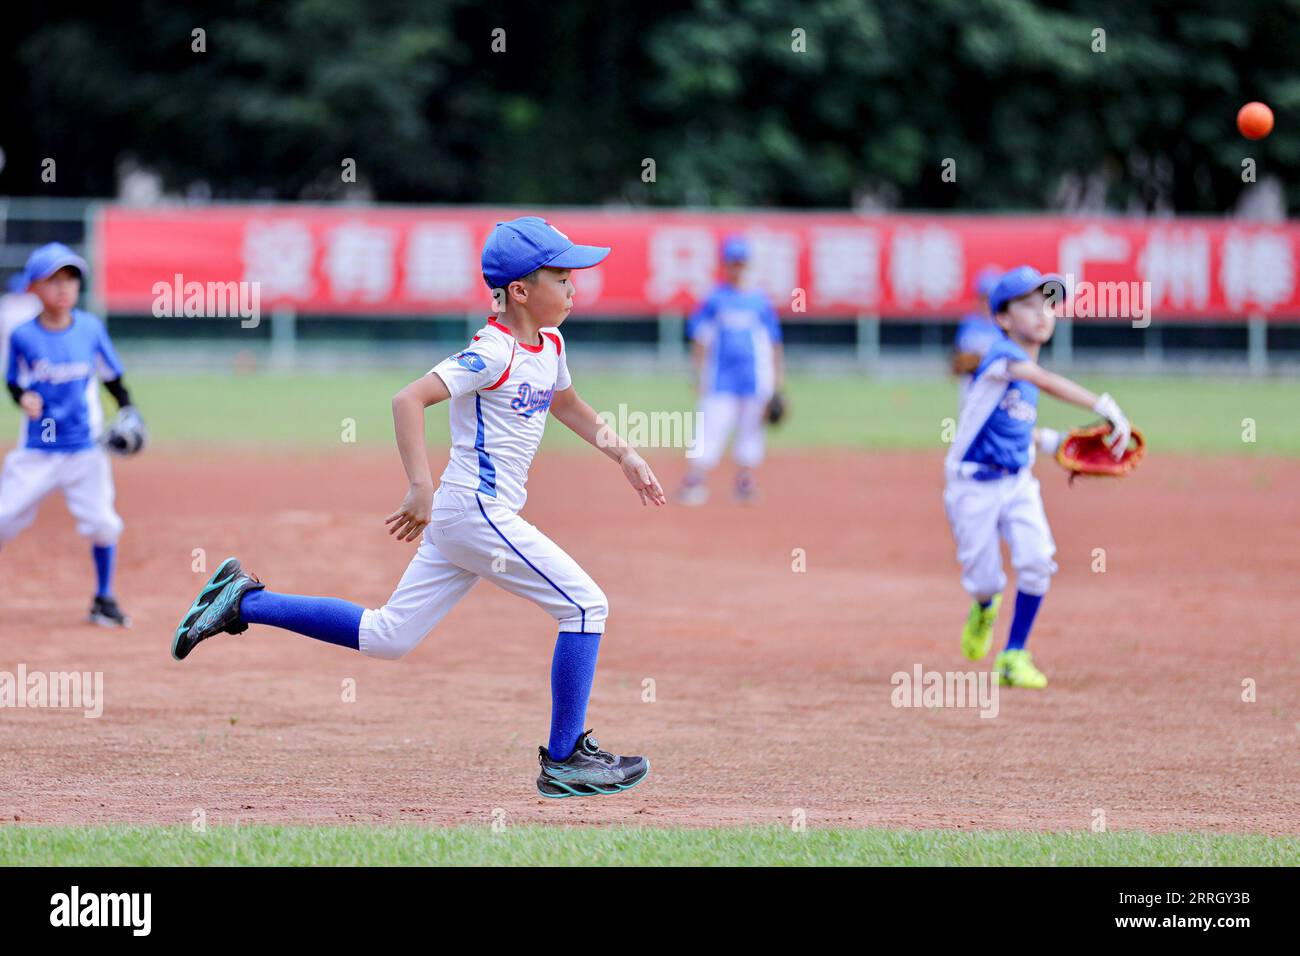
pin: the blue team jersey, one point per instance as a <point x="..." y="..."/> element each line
<point x="976" y="333"/>
<point x="65" y="369"/>
<point x="738" y="328"/>
<point x="998" y="414"/>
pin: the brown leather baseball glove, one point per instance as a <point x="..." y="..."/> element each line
<point x="1084" y="451"/>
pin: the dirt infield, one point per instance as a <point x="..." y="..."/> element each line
<point x="772" y="687"/>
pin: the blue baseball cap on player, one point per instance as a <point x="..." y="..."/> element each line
<point x="49" y="259"/>
<point x="1016" y="283"/>
<point x="985" y="281"/>
<point x="515" y="248"/>
<point x="735" y="249"/>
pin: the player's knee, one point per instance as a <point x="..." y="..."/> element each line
<point x="597" y="605"/>
<point x="984" y="581"/>
<point x="592" y="609"/>
<point x="386" y="638"/>
<point x="103" y="531"/>
<point x="1034" y="575"/>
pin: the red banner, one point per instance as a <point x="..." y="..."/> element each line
<point x="340" y="260"/>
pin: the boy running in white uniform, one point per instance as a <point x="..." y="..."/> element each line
<point x="500" y="390"/>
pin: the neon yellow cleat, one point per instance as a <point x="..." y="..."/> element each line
<point x="977" y="635"/>
<point x="1016" y="669"/>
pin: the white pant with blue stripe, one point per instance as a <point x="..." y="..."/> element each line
<point x="471" y="536"/>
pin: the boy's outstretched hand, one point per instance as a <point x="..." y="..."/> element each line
<point x="640" y="477"/>
<point x="409" y="521"/>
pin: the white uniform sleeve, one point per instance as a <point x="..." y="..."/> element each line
<point x="562" y="379"/>
<point x="480" y="365"/>
<point x="998" y="370"/>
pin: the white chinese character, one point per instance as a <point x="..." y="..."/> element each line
<point x="1176" y="262"/>
<point x="845" y="266"/>
<point x="773" y="262"/>
<point x="278" y="256"/>
<point x="1092" y="245"/>
<point x="1257" y="268"/>
<point x="440" y="263"/>
<point x="359" y="261"/>
<point x="927" y="265"/>
<point x="682" y="258"/>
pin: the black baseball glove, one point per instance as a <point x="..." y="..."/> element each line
<point x="775" y="409"/>
<point x="126" y="434"/>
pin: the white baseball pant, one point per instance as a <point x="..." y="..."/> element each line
<point x="982" y="514"/>
<point x="470" y="537"/>
<point x="84" y="477"/>
<point x="720" y="414"/>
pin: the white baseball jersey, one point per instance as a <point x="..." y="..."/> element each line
<point x="501" y="391"/>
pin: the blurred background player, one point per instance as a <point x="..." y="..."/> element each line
<point x="990" y="491"/>
<point x="737" y="355"/>
<point x="976" y="332"/>
<point x="55" y="364"/>
<point x="17" y="305"/>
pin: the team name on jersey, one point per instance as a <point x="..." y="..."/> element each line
<point x="1017" y="408"/>
<point x="57" y="373"/>
<point x="529" y="400"/>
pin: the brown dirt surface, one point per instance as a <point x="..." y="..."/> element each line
<point x="772" y="687"/>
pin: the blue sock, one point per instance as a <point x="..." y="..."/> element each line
<point x="572" y="670"/>
<point x="985" y="604"/>
<point x="1023" y="621"/>
<point x="332" y="620"/>
<point x="105" y="557"/>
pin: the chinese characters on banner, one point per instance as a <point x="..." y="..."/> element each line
<point x="425" y="261"/>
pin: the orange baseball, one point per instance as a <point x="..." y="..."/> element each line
<point x="1255" y="120"/>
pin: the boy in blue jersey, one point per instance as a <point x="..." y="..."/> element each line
<point x="56" y="362"/>
<point x="991" y="492"/>
<point x="737" y="353"/>
<point x="976" y="332"/>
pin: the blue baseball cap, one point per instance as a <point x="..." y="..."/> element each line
<point x="985" y="281"/>
<point x="515" y="248"/>
<point x="49" y="259"/>
<point x="735" y="249"/>
<point x="17" y="282"/>
<point x="1016" y="283"/>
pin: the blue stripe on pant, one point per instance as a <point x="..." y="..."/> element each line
<point x="581" y="610"/>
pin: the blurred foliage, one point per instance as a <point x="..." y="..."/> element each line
<point x="713" y="91"/>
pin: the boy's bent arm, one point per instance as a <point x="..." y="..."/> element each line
<point x="582" y="420"/>
<point x="1058" y="386"/>
<point x="410" y="519"/>
<point x="1070" y="391"/>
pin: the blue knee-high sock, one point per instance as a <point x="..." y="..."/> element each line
<point x="572" y="670"/>
<point x="332" y="620"/>
<point x="1023" y="621"/>
<point x="105" y="557"/>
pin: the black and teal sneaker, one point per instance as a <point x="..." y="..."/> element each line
<point x="216" y="609"/>
<point x="589" y="771"/>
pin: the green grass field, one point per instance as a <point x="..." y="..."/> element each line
<point x="309" y="411"/>
<point x="530" y="845"/>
